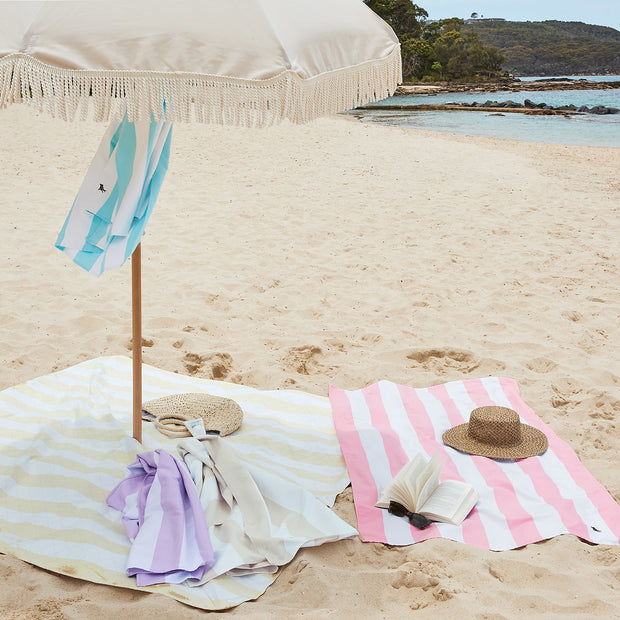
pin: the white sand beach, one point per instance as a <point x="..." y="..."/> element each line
<point x="341" y="253"/>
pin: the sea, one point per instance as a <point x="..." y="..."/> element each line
<point x="578" y="129"/>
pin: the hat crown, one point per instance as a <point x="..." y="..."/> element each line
<point x="496" y="426"/>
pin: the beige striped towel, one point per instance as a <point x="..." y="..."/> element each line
<point x="257" y="520"/>
<point x="65" y="442"/>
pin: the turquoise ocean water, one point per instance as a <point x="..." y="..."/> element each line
<point x="583" y="130"/>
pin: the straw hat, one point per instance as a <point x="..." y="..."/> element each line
<point x="169" y="412"/>
<point x="498" y="433"/>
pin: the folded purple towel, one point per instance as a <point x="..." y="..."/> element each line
<point x="164" y="520"/>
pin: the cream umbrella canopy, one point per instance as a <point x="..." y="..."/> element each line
<point x="231" y="62"/>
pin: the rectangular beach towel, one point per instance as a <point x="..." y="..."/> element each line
<point x="65" y="443"/>
<point x="383" y="426"/>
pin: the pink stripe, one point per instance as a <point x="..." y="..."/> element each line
<point x="422" y="426"/>
<point x="592" y="488"/>
<point x="550" y="494"/>
<point x="440" y="392"/>
<point x="394" y="452"/>
<point x="369" y="518"/>
<point x="520" y="522"/>
<point x="474" y="532"/>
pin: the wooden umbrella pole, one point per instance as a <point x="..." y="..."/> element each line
<point x="136" y="332"/>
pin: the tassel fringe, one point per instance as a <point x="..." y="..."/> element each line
<point x="185" y="97"/>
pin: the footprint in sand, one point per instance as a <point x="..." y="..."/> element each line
<point x="565" y="391"/>
<point x="442" y="595"/>
<point x="304" y="360"/>
<point x="415" y="579"/>
<point x="219" y="364"/>
<point x="573" y="316"/>
<point x="495" y="573"/>
<point x="541" y="365"/>
<point x="297" y="569"/>
<point x="443" y="361"/>
<point x="431" y="359"/>
<point x="604" y="406"/>
<point x="146" y="342"/>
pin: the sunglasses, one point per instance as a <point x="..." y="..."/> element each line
<point x="417" y="520"/>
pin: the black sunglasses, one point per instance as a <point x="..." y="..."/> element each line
<point x="417" y="520"/>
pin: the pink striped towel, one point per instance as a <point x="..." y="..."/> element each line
<point x="383" y="426"/>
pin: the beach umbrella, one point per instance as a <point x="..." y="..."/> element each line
<point x="145" y="65"/>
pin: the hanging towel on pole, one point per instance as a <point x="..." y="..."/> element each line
<point x="117" y="196"/>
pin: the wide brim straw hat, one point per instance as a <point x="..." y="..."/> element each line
<point x="168" y="413"/>
<point x="498" y="433"/>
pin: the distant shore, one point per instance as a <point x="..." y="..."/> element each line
<point x="419" y="88"/>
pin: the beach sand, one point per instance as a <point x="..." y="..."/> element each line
<point x="343" y="253"/>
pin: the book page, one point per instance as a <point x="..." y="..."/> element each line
<point x="402" y="487"/>
<point x="468" y="503"/>
<point x="427" y="481"/>
<point x="451" y="502"/>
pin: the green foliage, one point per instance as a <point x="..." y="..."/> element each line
<point x="405" y="17"/>
<point x="552" y="47"/>
<point x="436" y="48"/>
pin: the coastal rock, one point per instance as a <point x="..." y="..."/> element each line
<point x="601" y="109"/>
<point x="528" y="107"/>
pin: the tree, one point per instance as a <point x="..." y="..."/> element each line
<point x="417" y="56"/>
<point x="452" y="23"/>
<point x="552" y="47"/>
<point x="405" y="17"/>
<point x="407" y="20"/>
<point x="431" y="48"/>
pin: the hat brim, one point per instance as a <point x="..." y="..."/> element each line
<point x="533" y="442"/>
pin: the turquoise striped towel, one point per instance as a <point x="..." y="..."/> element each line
<point x="117" y="196"/>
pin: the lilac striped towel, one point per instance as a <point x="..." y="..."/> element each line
<point x="164" y="520"/>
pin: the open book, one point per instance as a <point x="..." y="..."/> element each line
<point x="417" y="487"/>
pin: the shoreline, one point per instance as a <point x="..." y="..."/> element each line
<point x="504" y="105"/>
<point x="493" y="137"/>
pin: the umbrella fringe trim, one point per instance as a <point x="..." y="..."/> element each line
<point x="182" y="97"/>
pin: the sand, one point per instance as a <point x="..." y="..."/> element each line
<point x="296" y="257"/>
